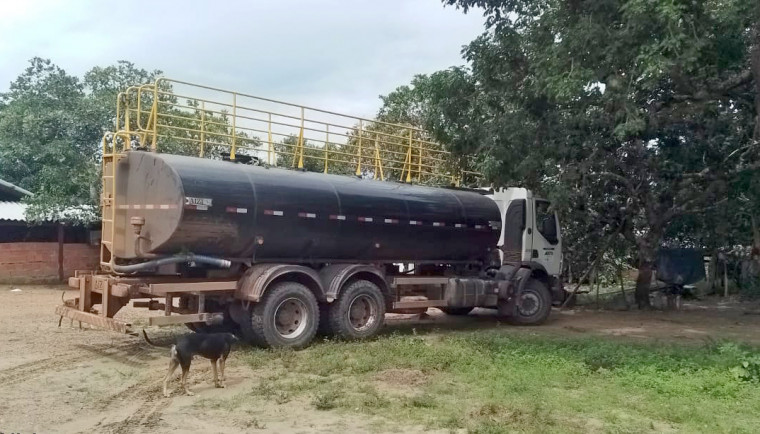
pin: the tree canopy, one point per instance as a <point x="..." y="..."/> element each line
<point x="629" y="114"/>
<point x="51" y="125"/>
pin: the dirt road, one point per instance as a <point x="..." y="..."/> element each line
<point x="70" y="380"/>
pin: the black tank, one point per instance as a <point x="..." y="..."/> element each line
<point x="233" y="210"/>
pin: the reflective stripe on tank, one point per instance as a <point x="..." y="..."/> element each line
<point x="307" y="215"/>
<point x="273" y="212"/>
<point x="148" y="206"/>
<point x="365" y="219"/>
<point x="415" y="222"/>
<point x="391" y="221"/>
<point x="337" y="217"/>
<point x="439" y="224"/>
<point x="235" y="210"/>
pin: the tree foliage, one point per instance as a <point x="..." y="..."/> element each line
<point x="629" y="114"/>
<point x="52" y="124"/>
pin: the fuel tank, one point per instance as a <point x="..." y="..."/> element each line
<point x="225" y="209"/>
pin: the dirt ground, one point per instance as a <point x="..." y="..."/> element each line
<point x="70" y="380"/>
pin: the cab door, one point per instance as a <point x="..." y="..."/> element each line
<point x="515" y="219"/>
<point x="547" y="243"/>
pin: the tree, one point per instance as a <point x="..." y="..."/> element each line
<point x="629" y="112"/>
<point x="49" y="138"/>
<point x="51" y="125"/>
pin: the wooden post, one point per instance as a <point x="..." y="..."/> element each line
<point x="60" y="252"/>
<point x="598" y="284"/>
<point x="725" y="278"/>
<point x="622" y="285"/>
<point x="105" y="299"/>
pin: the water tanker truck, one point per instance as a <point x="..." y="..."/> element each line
<point x="279" y="255"/>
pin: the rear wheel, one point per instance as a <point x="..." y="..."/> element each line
<point x="359" y="312"/>
<point x="457" y="310"/>
<point x="286" y="317"/>
<point x="533" y="305"/>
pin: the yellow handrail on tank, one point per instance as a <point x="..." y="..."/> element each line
<point x="180" y="117"/>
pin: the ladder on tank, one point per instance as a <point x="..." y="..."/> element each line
<point x="112" y="153"/>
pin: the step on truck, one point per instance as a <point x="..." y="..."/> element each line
<point x="230" y="240"/>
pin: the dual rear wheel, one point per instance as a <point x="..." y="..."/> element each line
<point x="359" y="312"/>
<point x="288" y="315"/>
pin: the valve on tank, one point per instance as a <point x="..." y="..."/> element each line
<point x="137" y="223"/>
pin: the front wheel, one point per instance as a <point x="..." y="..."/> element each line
<point x="359" y="311"/>
<point x="534" y="304"/>
<point x="286" y="317"/>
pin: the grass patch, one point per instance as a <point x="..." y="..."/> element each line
<point x="489" y="382"/>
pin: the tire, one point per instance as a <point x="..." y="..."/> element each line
<point x="359" y="311"/>
<point x="534" y="305"/>
<point x="457" y="311"/>
<point x="286" y="317"/>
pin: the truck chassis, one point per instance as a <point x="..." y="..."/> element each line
<point x="225" y="304"/>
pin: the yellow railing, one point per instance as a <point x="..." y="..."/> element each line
<point x="179" y="117"/>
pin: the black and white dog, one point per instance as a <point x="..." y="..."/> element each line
<point x="213" y="346"/>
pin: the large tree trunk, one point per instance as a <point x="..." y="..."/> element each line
<point x="647" y="253"/>
<point x="643" y="283"/>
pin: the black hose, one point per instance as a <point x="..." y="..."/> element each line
<point x="221" y="263"/>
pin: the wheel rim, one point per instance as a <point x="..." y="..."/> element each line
<point x="290" y="318"/>
<point x="529" y="304"/>
<point x="362" y="313"/>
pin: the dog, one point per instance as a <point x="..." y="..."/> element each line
<point x="213" y="346"/>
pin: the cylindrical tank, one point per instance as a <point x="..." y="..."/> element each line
<point x="231" y="210"/>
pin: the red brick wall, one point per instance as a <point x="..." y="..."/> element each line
<point x="38" y="262"/>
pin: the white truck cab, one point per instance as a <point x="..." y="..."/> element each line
<point x="530" y="234"/>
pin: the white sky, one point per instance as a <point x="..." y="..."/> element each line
<point x="336" y="55"/>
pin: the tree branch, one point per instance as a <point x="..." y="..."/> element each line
<point x="742" y="78"/>
<point x="622" y="179"/>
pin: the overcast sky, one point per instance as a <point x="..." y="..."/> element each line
<point x="337" y="55"/>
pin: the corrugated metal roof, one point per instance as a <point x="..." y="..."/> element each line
<point x="13" y="211"/>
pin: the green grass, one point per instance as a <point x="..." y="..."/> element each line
<point x="491" y="382"/>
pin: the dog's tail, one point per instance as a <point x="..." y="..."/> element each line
<point x="151" y="342"/>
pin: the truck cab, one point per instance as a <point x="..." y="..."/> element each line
<point x="530" y="236"/>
